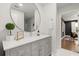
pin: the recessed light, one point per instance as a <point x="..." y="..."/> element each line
<point x="20" y="4"/>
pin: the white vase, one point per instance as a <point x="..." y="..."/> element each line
<point x="10" y="38"/>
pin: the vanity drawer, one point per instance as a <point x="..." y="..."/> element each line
<point x="11" y="52"/>
<point x="24" y="50"/>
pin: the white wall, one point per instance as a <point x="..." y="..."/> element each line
<point x="49" y="23"/>
<point x="58" y="30"/>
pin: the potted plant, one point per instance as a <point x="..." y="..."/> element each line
<point x="10" y="26"/>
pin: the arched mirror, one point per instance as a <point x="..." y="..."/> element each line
<point x="26" y="16"/>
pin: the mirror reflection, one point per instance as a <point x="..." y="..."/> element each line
<point x="26" y="16"/>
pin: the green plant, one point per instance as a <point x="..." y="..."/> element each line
<point x="10" y="26"/>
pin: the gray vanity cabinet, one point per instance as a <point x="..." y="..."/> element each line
<point x="45" y="47"/>
<point x="11" y="52"/>
<point x="41" y="47"/>
<point x="24" y="50"/>
<point x="35" y="48"/>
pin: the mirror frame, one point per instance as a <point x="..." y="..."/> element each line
<point x="18" y="26"/>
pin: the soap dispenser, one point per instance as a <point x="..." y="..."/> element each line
<point x="38" y="33"/>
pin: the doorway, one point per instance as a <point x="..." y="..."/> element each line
<point x="70" y="37"/>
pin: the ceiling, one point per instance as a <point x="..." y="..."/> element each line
<point x="44" y="4"/>
<point x="71" y="16"/>
<point x="68" y="8"/>
<point x="62" y="5"/>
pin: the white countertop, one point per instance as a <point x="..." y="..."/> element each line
<point x="27" y="39"/>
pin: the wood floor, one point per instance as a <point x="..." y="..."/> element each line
<point x="68" y="44"/>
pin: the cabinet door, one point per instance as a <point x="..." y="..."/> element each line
<point x="11" y="52"/>
<point x="45" y="47"/>
<point x="35" y="48"/>
<point x="24" y="50"/>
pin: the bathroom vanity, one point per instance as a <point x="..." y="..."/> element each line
<point x="27" y="20"/>
<point x="28" y="46"/>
